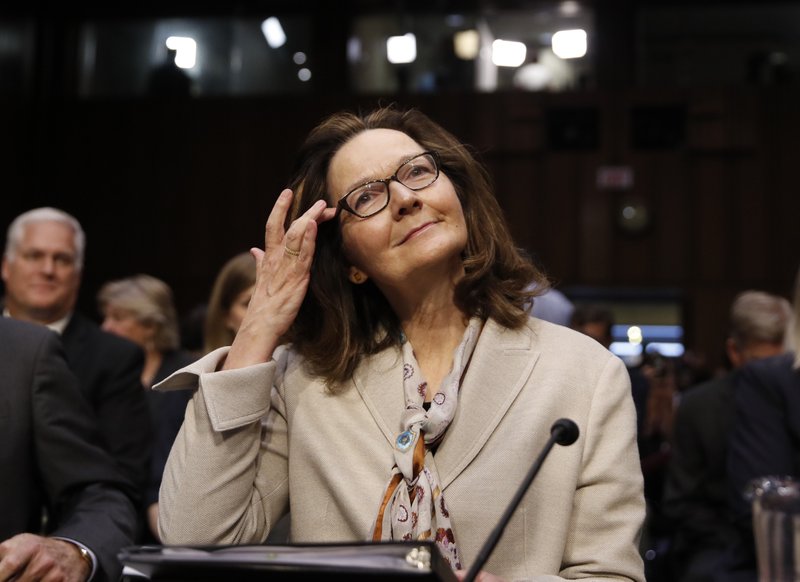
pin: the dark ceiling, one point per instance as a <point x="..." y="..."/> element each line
<point x="140" y="8"/>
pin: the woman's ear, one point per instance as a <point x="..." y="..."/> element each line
<point x="357" y="276"/>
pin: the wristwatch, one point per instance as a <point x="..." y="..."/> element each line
<point x="87" y="557"/>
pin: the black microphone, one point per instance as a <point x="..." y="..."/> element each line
<point x="564" y="432"/>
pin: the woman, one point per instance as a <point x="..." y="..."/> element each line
<point x="229" y="299"/>
<point x="369" y="267"/>
<point x="141" y="309"/>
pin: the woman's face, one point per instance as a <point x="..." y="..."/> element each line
<point x="419" y="234"/>
<point x="124" y="323"/>
<point x="237" y="309"/>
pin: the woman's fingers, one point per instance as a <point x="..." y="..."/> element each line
<point x="320" y="212"/>
<point x="298" y="231"/>
<point x="257" y="254"/>
<point x="284" y="268"/>
<point x="328" y="213"/>
<point x="277" y="217"/>
<point x="309" y="244"/>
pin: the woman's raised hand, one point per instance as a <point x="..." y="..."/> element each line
<point x="282" y="275"/>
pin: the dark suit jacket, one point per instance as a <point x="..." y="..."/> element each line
<point x="696" y="490"/>
<point x="50" y="453"/>
<point x="109" y="369"/>
<point x="765" y="439"/>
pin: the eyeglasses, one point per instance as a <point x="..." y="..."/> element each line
<point x="370" y="198"/>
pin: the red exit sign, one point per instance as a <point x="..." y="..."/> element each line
<point x="615" y="177"/>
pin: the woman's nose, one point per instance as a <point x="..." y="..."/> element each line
<point x="403" y="199"/>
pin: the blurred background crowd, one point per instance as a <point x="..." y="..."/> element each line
<point x="644" y="153"/>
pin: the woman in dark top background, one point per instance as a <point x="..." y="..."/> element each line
<point x="141" y="309"/>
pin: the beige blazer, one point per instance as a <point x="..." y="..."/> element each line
<point x="261" y="440"/>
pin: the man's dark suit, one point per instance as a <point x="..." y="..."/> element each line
<point x="696" y="489"/>
<point x="50" y="453"/>
<point x="765" y="440"/>
<point x="109" y="370"/>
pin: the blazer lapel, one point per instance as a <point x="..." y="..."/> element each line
<point x="501" y="365"/>
<point x="379" y="381"/>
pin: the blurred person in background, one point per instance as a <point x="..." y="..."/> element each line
<point x="593" y="320"/>
<point x="553" y="306"/>
<point x="229" y="299"/>
<point x="696" y="490"/>
<point x="192" y="327"/>
<point x="42" y="267"/>
<point x="66" y="510"/>
<point x="765" y="438"/>
<point x="141" y="309"/>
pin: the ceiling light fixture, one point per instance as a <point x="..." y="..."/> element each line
<point x="273" y="32"/>
<point x="508" y="53"/>
<point x="185" y="49"/>
<point x="401" y="49"/>
<point x="569" y="44"/>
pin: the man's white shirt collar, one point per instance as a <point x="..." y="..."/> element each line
<point x="57" y="326"/>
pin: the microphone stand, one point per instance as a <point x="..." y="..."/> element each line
<point x="564" y="432"/>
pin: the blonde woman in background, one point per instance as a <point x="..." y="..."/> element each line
<point x="141" y="309"/>
<point x="230" y="297"/>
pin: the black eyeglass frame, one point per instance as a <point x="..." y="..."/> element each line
<point x="342" y="204"/>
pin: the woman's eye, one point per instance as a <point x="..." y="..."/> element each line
<point x="365" y="197"/>
<point x="417" y="172"/>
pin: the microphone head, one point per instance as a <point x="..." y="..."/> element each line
<point x="565" y="431"/>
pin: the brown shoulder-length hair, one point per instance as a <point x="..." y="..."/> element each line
<point x="237" y="275"/>
<point x="339" y="323"/>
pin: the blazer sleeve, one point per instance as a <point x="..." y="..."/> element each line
<point x="90" y="501"/>
<point x="230" y="455"/>
<point x="608" y="505"/>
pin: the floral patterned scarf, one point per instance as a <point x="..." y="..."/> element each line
<point x="415" y="502"/>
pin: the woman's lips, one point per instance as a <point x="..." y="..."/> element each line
<point x="412" y="233"/>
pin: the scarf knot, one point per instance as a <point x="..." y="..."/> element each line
<point x="413" y="505"/>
